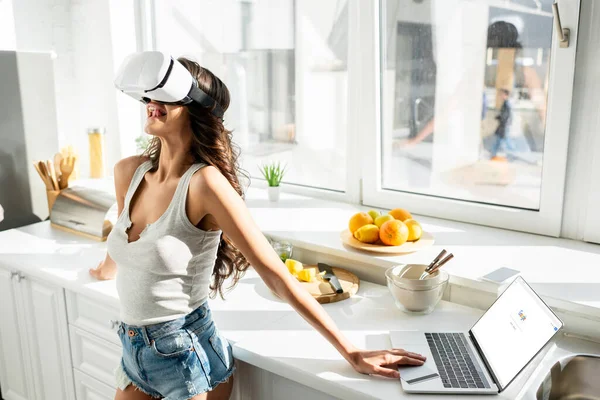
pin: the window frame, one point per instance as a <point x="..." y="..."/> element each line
<point x="548" y="219"/>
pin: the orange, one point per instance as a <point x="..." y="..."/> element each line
<point x="393" y="233"/>
<point x="414" y="230"/>
<point x="358" y="220"/>
<point x="400" y="214"/>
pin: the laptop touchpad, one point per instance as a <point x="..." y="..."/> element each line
<point x="416" y="374"/>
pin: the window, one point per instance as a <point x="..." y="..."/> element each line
<point x="475" y="103"/>
<point x="458" y="109"/>
<point x="285" y="64"/>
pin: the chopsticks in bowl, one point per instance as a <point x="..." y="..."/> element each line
<point x="441" y="263"/>
<point x="436" y="264"/>
<point x="435" y="260"/>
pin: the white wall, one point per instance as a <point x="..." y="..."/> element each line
<point x="44" y="25"/>
<point x="94" y="73"/>
<point x="7" y="26"/>
<point x="88" y="38"/>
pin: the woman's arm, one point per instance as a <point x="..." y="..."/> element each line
<point x="221" y="201"/>
<point x="123" y="172"/>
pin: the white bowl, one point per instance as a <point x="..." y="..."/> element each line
<point x="408" y="275"/>
<point x="411" y="294"/>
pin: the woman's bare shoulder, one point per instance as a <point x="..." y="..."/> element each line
<point x="206" y="179"/>
<point x="124" y="170"/>
<point x="209" y="184"/>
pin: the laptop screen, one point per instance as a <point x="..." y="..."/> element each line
<point x="513" y="330"/>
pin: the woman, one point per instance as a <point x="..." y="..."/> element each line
<point x="182" y="222"/>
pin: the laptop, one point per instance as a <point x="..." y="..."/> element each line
<point x="487" y="358"/>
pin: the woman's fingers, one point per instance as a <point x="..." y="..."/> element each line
<point x="402" y="352"/>
<point x="387" y="372"/>
<point x="407" y="360"/>
<point x="95" y="271"/>
<point x="99" y="273"/>
<point x="402" y="360"/>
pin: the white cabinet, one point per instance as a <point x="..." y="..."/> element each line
<point x="94" y="356"/>
<point x="95" y="345"/>
<point x="93" y="316"/>
<point x="35" y="361"/>
<point x="254" y="383"/>
<point x="13" y="377"/>
<point x="88" y="388"/>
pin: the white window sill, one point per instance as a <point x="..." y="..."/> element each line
<point x="566" y="273"/>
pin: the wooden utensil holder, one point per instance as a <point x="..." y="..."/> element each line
<point x="51" y="195"/>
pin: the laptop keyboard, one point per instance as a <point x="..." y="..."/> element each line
<point x="454" y="363"/>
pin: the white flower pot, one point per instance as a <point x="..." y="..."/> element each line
<point x="273" y="193"/>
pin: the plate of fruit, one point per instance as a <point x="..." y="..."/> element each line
<point x="395" y="232"/>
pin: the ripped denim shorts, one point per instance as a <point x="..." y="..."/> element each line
<point x="176" y="359"/>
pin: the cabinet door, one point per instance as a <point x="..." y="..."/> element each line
<point x="13" y="355"/>
<point x="94" y="356"/>
<point x="89" y="388"/>
<point x="45" y="316"/>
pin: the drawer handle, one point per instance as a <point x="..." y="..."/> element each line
<point x="114" y="324"/>
<point x="19" y="276"/>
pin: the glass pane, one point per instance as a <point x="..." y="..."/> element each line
<point x="285" y="64"/>
<point x="464" y="88"/>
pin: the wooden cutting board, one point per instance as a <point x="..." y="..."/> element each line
<point x="322" y="290"/>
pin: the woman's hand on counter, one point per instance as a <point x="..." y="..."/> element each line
<point x="383" y="362"/>
<point x="107" y="269"/>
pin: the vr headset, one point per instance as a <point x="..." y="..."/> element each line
<point x="152" y="75"/>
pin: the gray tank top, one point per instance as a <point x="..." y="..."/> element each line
<point x="166" y="273"/>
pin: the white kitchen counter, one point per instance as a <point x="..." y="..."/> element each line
<point x="566" y="273"/>
<point x="265" y="331"/>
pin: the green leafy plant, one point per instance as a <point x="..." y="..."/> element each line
<point x="142" y="142"/>
<point x="273" y="172"/>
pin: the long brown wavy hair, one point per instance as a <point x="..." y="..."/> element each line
<point x="212" y="145"/>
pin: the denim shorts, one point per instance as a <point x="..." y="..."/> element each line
<point x="176" y="359"/>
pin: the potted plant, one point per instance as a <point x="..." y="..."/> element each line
<point x="141" y="143"/>
<point x="273" y="173"/>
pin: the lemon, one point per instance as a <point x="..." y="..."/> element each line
<point x="307" y="275"/>
<point x="367" y="233"/>
<point x="414" y="230"/>
<point x="293" y="266"/>
<point x="383" y="219"/>
<point x="374" y="214"/>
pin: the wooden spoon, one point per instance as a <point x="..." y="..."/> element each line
<point x="36" y="165"/>
<point x="41" y="167"/>
<point x="67" y="165"/>
<point x="57" y="158"/>
<point x="52" y="174"/>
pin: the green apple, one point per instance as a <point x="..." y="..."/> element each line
<point x="383" y="219"/>
<point x="374" y="214"/>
